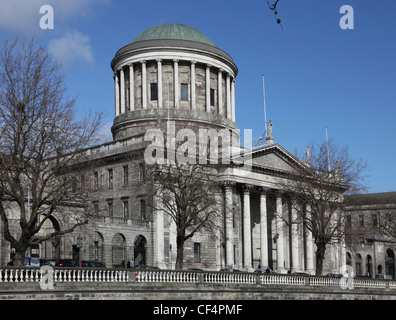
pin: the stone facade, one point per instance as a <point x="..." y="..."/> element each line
<point x="192" y="84"/>
<point x="370" y="250"/>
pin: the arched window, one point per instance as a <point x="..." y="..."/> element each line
<point x="118" y="250"/>
<point x="369" y="265"/>
<point x="140" y="250"/>
<point x="390" y="263"/>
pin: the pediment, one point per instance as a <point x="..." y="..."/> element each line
<point x="276" y="158"/>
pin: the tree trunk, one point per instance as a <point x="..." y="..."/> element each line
<point x="19" y="256"/>
<point x="180" y="253"/>
<point x="320" y="255"/>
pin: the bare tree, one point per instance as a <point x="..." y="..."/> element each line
<point x="40" y="142"/>
<point x="317" y="193"/>
<point x="187" y="194"/>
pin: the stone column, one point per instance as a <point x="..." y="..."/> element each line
<point x="247" y="234"/>
<point x="144" y="85"/>
<point x="228" y="96"/>
<point x="159" y="82"/>
<point x="176" y="84"/>
<point x="233" y="100"/>
<point x="172" y="254"/>
<point x="116" y="94"/>
<point x="193" y="85"/>
<point x="159" y="234"/>
<point x="122" y="90"/>
<point x="207" y="87"/>
<point x="294" y="237"/>
<point x="230" y="261"/>
<point x="280" y="255"/>
<point x="220" y="91"/>
<point x="263" y="229"/>
<point x="131" y="88"/>
<point x="309" y="246"/>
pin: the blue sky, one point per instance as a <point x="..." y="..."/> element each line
<point x="316" y="74"/>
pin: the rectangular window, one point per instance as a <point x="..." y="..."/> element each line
<point x="154" y="91"/>
<point x="126" y="210"/>
<point x="212" y="97"/>
<point x="110" y="178"/>
<point x="349" y="220"/>
<point x="184" y="92"/>
<point x="361" y="220"/>
<point x="125" y="175"/>
<point x="197" y="252"/>
<point x="110" y="208"/>
<point x="96" y="207"/>
<point x="375" y="220"/>
<point x="143" y="209"/>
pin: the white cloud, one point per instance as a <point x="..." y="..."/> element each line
<point x="20" y="15"/>
<point x="24" y="15"/>
<point x="71" y="47"/>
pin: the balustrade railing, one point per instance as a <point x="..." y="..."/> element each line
<point x="61" y="275"/>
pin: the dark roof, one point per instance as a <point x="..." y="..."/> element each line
<point x="370" y="198"/>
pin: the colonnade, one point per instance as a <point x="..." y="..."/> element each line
<point x="285" y="259"/>
<point x="124" y="91"/>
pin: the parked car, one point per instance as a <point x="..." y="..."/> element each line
<point x="384" y="276"/>
<point x="300" y="274"/>
<point x="268" y="271"/>
<point x="91" y="264"/>
<point x="194" y="269"/>
<point x="362" y="276"/>
<point x="334" y="275"/>
<point x="32" y="262"/>
<point x="69" y="263"/>
<point x="229" y="269"/>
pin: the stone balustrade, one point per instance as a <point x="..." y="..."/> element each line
<point x="108" y="275"/>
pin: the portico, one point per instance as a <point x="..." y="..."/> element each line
<point x="270" y="236"/>
<point x="261" y="225"/>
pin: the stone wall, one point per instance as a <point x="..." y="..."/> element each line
<point x="184" y="291"/>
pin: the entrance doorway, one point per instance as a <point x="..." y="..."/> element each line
<point x="140" y="249"/>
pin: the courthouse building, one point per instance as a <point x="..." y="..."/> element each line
<point x="172" y="73"/>
<point x="370" y="238"/>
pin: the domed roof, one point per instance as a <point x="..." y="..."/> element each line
<point x="173" y="31"/>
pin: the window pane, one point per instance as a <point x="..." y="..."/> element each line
<point x="153" y="91"/>
<point x="197" y="252"/>
<point x="125" y="175"/>
<point x="110" y="204"/>
<point x="126" y="210"/>
<point x="184" y="91"/>
<point x="143" y="209"/>
<point x="212" y="97"/>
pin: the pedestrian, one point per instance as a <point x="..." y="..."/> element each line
<point x="128" y="262"/>
<point x="267" y="270"/>
<point x="131" y="263"/>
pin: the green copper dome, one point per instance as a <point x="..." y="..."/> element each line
<point x="173" y="31"/>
